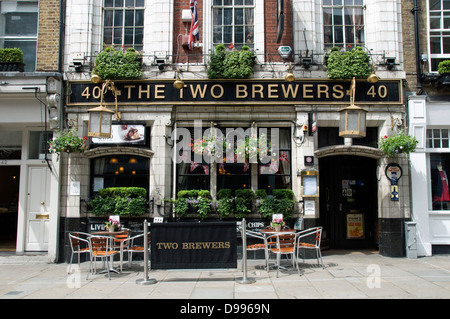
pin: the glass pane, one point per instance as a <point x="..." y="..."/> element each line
<point x="129" y="3"/>
<point x="446" y="45"/>
<point x="359" y="35"/>
<point x="107" y="36"/>
<point x="239" y="16"/>
<point x="11" y="144"/>
<point x="20" y="23"/>
<point x="446" y="22"/>
<point x="337" y="16"/>
<point x="435" y="45"/>
<point x="217" y="2"/>
<point x="217" y="35"/>
<point x="249" y="2"/>
<point x="217" y="16"/>
<point x="326" y="2"/>
<point x="348" y="16"/>
<point x="349" y="35"/>
<point x="140" y="3"/>
<point x="128" y="40"/>
<point x="227" y="35"/>
<point x="327" y="17"/>
<point x="337" y="2"/>
<point x="435" y="4"/>
<point x="446" y="4"/>
<point x="119" y="4"/>
<point x="118" y="17"/>
<point x="238" y="2"/>
<point x="435" y="22"/>
<point x="338" y="36"/>
<point x="227" y="2"/>
<point x="328" y="34"/>
<point x="129" y="18"/>
<point x="108" y="18"/>
<point x="227" y="16"/>
<point x="138" y="36"/>
<point x="239" y="35"/>
<point x="249" y="35"/>
<point x="139" y="18"/>
<point x="117" y="36"/>
<point x="109" y="3"/>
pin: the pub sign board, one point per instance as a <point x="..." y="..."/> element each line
<point x="193" y="245"/>
<point x="255" y="91"/>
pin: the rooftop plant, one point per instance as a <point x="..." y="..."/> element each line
<point x="114" y="64"/>
<point x="348" y="64"/>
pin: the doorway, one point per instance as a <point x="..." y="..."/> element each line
<point x="9" y="200"/>
<point x="348" y="201"/>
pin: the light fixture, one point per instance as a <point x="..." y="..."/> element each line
<point x="373" y="78"/>
<point x="290" y="76"/>
<point x="100" y="117"/>
<point x="78" y="66"/>
<point x="306" y="62"/>
<point x="390" y="62"/>
<point x="178" y="84"/>
<point x="352" y="119"/>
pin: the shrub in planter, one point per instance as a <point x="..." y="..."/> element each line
<point x="243" y="200"/>
<point x="112" y="64"/>
<point x="11" y="59"/>
<point x="193" y="201"/>
<point x="444" y="67"/>
<point x="232" y="64"/>
<point x="123" y="201"/>
<point x="282" y="202"/>
<point x="348" y="64"/>
<point x="225" y="200"/>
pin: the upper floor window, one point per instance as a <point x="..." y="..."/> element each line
<point x="343" y="23"/>
<point x="233" y="22"/>
<point x="18" y="29"/>
<point x="123" y="23"/>
<point x="439" y="32"/>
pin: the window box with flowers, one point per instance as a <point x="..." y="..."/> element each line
<point x="67" y="141"/>
<point x="398" y="143"/>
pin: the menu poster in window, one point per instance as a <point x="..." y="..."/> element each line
<point x="355" y="226"/>
<point x="124" y="134"/>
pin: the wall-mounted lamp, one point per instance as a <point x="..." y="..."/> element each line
<point x="78" y="66"/>
<point x="289" y="76"/>
<point x="307" y="62"/>
<point x="178" y="84"/>
<point x="390" y="62"/>
<point x="160" y="60"/>
<point x="100" y="118"/>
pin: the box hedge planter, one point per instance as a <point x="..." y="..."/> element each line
<point x="122" y="201"/>
<point x="11" y="60"/>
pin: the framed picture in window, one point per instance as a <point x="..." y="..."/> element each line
<point x="124" y="133"/>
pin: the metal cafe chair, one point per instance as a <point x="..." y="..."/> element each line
<point x="259" y="246"/>
<point x="134" y="245"/>
<point x="310" y="239"/>
<point x="285" y="245"/>
<point x="101" y="247"/>
<point x="79" y="245"/>
<point x="119" y="242"/>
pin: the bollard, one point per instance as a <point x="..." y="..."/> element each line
<point x="244" y="279"/>
<point x="146" y="280"/>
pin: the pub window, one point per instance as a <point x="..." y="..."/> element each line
<point x="439" y="32"/>
<point x="10" y="145"/>
<point x="439" y="164"/>
<point x="18" y="29"/>
<point x="277" y="173"/>
<point x="343" y="23"/>
<point x="233" y="22"/>
<point x="119" y="171"/>
<point x="123" y="23"/>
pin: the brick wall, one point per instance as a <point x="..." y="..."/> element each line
<point x="48" y="36"/>
<point x="181" y="28"/>
<point x="270" y="21"/>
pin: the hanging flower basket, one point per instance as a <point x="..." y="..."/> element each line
<point x="67" y="141"/>
<point x="398" y="143"/>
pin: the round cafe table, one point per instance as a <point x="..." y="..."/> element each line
<point x="271" y="232"/>
<point x="111" y="234"/>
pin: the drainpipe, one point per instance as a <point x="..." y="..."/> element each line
<point x="415" y="10"/>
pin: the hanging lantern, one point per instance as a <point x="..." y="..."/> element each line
<point x="100" y="122"/>
<point x="352" y="119"/>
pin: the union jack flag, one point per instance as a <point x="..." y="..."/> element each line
<point x="193" y="34"/>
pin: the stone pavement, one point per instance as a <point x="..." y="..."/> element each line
<point x="347" y="275"/>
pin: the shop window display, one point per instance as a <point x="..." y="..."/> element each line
<point x="439" y="164"/>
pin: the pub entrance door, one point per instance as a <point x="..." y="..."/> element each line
<point x="348" y="201"/>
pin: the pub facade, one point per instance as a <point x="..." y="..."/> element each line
<point x="340" y="179"/>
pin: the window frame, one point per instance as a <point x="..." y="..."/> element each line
<point x="123" y="27"/>
<point x="435" y="58"/>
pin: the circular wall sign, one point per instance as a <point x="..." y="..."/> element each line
<point x="393" y="169"/>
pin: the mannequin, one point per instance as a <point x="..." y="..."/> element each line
<point x="442" y="190"/>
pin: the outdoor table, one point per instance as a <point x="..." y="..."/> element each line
<point x="271" y="232"/>
<point x="111" y="234"/>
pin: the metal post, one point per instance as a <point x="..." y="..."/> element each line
<point x="146" y="280"/>
<point x="244" y="279"/>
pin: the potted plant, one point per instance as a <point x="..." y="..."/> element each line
<point x="277" y="223"/>
<point x="67" y="141"/>
<point x="11" y="59"/>
<point x="112" y="224"/>
<point x="225" y="200"/>
<point x="398" y="143"/>
<point x="348" y="64"/>
<point x="113" y="64"/>
<point x="444" y="72"/>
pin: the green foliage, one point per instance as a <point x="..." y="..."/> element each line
<point x="260" y="193"/>
<point x="199" y="200"/>
<point x="67" y="141"/>
<point x="233" y="64"/>
<point x="444" y="67"/>
<point x="282" y="202"/>
<point x="283" y="194"/>
<point x="398" y="143"/>
<point x="123" y="201"/>
<point x="11" y="55"/>
<point x="113" y="64"/>
<point x="246" y="194"/>
<point x="224" y="193"/>
<point x="348" y="64"/>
